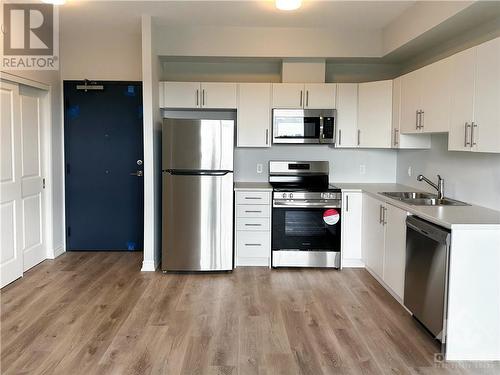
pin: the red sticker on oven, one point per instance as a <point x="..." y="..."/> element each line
<point x="331" y="216"/>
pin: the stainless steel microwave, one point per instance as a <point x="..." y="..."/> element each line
<point x="304" y="125"/>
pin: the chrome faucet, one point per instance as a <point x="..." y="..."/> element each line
<point x="439" y="186"/>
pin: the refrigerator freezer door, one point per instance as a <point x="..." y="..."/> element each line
<point x="197" y="223"/>
<point x="198" y="144"/>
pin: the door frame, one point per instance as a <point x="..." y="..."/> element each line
<point x="46" y="145"/>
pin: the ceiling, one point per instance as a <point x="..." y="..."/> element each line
<point x="351" y="15"/>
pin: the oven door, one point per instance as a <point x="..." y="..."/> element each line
<point x="293" y="126"/>
<point x="306" y="229"/>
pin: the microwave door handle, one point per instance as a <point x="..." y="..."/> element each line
<point x="321" y="130"/>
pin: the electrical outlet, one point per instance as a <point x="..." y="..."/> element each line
<point x="259" y="168"/>
<point x="362" y="169"/>
<point x="410" y="171"/>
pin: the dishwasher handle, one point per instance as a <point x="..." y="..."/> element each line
<point x="433" y="231"/>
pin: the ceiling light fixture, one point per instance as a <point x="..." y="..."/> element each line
<point x="288" y="4"/>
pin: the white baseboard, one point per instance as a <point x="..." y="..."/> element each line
<point x="352" y="263"/>
<point x="148" y="266"/>
<point x="59" y="250"/>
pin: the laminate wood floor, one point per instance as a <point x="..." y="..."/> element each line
<point x="96" y="313"/>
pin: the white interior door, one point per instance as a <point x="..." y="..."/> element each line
<point x="11" y="257"/>
<point x="32" y="184"/>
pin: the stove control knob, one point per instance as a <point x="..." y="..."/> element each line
<point x="284" y="195"/>
<point x="290" y="195"/>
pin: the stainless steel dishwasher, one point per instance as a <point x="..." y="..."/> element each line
<point x="426" y="274"/>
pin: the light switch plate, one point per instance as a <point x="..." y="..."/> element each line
<point x="410" y="171"/>
<point x="362" y="169"/>
<point x="259" y="168"/>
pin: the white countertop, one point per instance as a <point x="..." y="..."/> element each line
<point x="451" y="217"/>
<point x="245" y="185"/>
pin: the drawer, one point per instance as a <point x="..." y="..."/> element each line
<point x="258" y="210"/>
<point x="253" y="224"/>
<point x="253" y="244"/>
<point x="253" y="197"/>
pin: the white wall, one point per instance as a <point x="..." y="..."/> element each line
<point x="268" y="42"/>
<point x="380" y="165"/>
<point x="470" y="177"/>
<point x="101" y="54"/>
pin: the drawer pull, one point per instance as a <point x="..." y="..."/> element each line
<point x="253" y="225"/>
<point x="256" y="198"/>
<point x="253" y="211"/>
<point x="253" y="244"/>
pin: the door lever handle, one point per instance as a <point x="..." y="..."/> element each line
<point x="138" y="174"/>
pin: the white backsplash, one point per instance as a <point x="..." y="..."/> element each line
<point x="345" y="165"/>
<point x="469" y="176"/>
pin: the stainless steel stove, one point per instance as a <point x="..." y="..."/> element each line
<point x="306" y="215"/>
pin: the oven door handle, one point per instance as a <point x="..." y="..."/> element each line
<point x="307" y="204"/>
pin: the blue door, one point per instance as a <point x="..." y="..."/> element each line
<point x="103" y="155"/>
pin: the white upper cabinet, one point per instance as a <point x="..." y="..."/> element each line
<point x="347" y="115"/>
<point x="475" y="102"/>
<point x="319" y="95"/>
<point x="485" y="131"/>
<point x="462" y="100"/>
<point x="288" y="95"/>
<point x="299" y="95"/>
<point x="404" y="141"/>
<point x="375" y="114"/>
<point x="436" y="97"/>
<point x="425" y="99"/>
<point x="218" y="95"/>
<point x="181" y="94"/>
<point x="198" y="95"/>
<point x="254" y="115"/>
<point x="411" y="87"/>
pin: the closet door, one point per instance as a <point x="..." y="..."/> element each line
<point x="11" y="256"/>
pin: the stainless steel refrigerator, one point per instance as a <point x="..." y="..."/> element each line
<point x="197" y="212"/>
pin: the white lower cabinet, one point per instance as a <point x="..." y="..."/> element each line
<point x="351" y="229"/>
<point x="395" y="249"/>
<point x="384" y="243"/>
<point x="373" y="234"/>
<point x="253" y="228"/>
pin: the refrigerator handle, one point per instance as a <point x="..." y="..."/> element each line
<point x="174" y="172"/>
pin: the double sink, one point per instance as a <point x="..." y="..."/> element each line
<point x="422" y="199"/>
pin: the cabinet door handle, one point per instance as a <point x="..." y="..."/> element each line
<point x="203" y="97"/>
<point x="253" y="244"/>
<point x="267" y="136"/>
<point x="417" y="113"/>
<point x="252" y="211"/>
<point x="359" y="137"/>
<point x="422" y="119"/>
<point x="347" y="203"/>
<point x="340" y="137"/>
<point x="301" y="98"/>
<point x="396" y="136"/>
<point x="197" y="97"/>
<point x="472" y="134"/>
<point x="256" y="198"/>
<point x="307" y="98"/>
<point x="384" y="216"/>
<point x="466" y="139"/>
<point x="253" y="225"/>
<point x="380" y="213"/>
